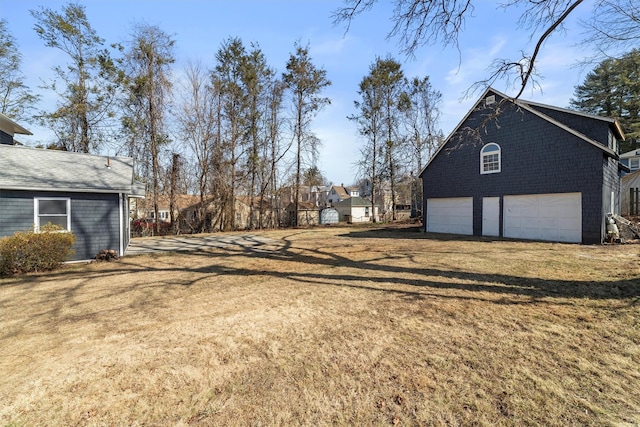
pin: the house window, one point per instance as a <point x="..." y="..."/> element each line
<point x="490" y="158"/>
<point x="366" y="211"/>
<point x="613" y="142"/>
<point x="56" y="211"/>
<point x="634" y="163"/>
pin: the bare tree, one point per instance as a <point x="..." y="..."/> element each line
<point x="421" y="114"/>
<point x="147" y="67"/>
<point x="612" y="28"/>
<point x="197" y="120"/>
<point x="369" y="121"/>
<point x="273" y="149"/>
<point x="229" y="75"/>
<point x="305" y="81"/>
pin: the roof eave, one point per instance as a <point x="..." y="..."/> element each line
<point x="68" y="189"/>
<point x="15" y="127"/>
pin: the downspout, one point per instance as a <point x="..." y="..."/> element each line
<point x="121" y="220"/>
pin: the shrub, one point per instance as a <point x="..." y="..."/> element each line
<point x="28" y="251"/>
<point x="147" y="227"/>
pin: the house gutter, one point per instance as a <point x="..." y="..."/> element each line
<point x="121" y="220"/>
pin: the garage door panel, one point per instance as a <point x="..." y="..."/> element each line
<point x="553" y="217"/>
<point x="453" y="215"/>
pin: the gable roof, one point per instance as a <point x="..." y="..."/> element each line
<point x="353" y="201"/>
<point x="530" y="107"/>
<point x="303" y="206"/>
<point x="10" y="127"/>
<point x="341" y="191"/>
<point x="630" y="154"/>
<point x="24" y="168"/>
<point x="613" y="123"/>
<point x="630" y="180"/>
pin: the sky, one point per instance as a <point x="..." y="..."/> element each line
<point x="199" y="28"/>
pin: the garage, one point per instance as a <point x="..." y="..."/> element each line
<point x="552" y="217"/>
<point x="450" y="215"/>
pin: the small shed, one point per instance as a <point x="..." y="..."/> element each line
<point x="308" y="214"/>
<point x="329" y="216"/>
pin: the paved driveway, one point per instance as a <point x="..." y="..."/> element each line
<point x="146" y="245"/>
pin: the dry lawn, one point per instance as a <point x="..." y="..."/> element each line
<point x="329" y="326"/>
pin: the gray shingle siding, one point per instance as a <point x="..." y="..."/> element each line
<point x="537" y="158"/>
<point x="593" y="128"/>
<point x="95" y="218"/>
<point x="5" y="138"/>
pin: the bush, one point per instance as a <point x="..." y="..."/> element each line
<point x="28" y="251"/>
<point x="145" y="227"/>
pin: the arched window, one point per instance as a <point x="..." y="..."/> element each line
<point x="490" y="158"/>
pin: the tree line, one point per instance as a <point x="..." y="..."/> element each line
<point x="241" y="128"/>
<point x="235" y="128"/>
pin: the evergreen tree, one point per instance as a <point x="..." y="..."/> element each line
<point x="16" y="99"/>
<point x="305" y="81"/>
<point x="86" y="98"/>
<point x="612" y="89"/>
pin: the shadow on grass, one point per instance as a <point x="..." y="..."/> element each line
<point x="414" y="282"/>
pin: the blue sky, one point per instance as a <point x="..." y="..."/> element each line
<point x="200" y="26"/>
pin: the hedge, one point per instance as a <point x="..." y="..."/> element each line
<point x="28" y="251"/>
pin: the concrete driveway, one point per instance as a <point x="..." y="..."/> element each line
<point x="147" y="245"/>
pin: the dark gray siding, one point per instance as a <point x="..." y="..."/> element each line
<point x="5" y="138"/>
<point x="537" y="158"/>
<point x="593" y="128"/>
<point x="95" y="218"/>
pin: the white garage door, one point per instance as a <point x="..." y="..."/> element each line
<point x="453" y="215"/>
<point x="552" y="217"/>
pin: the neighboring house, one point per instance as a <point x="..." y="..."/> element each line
<point x="316" y="194"/>
<point x="8" y="129"/>
<point x="208" y="216"/>
<point x="631" y="159"/>
<point x="338" y="193"/>
<point x="383" y="195"/>
<point x="256" y="216"/>
<point x="85" y="194"/>
<point x="144" y="208"/>
<point x="535" y="172"/>
<point x="355" y="209"/>
<point x="308" y="214"/>
<point x="630" y="193"/>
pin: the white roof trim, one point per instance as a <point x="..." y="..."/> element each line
<point x="12" y="127"/>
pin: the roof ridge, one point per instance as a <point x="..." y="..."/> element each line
<point x="62" y="152"/>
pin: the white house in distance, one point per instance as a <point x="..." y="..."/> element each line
<point x="356" y="209"/>
<point x="338" y="193"/>
<point x="631" y="159"/>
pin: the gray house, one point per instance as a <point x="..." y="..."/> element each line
<point x="533" y="171"/>
<point x="85" y="194"/>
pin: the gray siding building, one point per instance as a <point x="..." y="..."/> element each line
<point x="532" y="171"/>
<point x="83" y="193"/>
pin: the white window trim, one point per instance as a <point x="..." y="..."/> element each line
<point x="36" y="211"/>
<point x="483" y="155"/>
<point x="637" y="163"/>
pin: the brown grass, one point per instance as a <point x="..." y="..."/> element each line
<point x="329" y="326"/>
